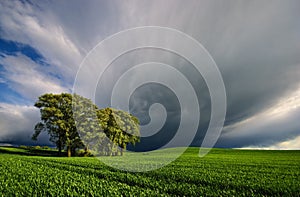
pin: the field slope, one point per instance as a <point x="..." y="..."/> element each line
<point x="223" y="172"/>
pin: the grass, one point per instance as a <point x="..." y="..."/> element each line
<point x="223" y="172"/>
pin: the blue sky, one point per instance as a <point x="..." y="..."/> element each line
<point x="256" y="46"/>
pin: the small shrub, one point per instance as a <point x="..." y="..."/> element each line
<point x="23" y="146"/>
<point x="83" y="153"/>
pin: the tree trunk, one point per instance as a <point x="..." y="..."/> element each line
<point x="59" y="148"/>
<point x="123" y="148"/>
<point x="86" y="148"/>
<point x="73" y="151"/>
<point x="69" y="151"/>
<point x="111" y="149"/>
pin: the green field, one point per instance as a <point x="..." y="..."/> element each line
<point x="223" y="172"/>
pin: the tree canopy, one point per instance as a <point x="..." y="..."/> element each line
<point x="73" y="122"/>
<point x="120" y="127"/>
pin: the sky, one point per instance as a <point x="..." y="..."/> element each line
<point x="255" y="44"/>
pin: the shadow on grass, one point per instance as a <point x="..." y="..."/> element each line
<point x="30" y="152"/>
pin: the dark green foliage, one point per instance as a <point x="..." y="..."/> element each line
<point x="223" y="172"/>
<point x="45" y="147"/>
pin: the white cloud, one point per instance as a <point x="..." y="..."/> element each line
<point x="28" y="78"/>
<point x="2" y="80"/>
<point x="291" y="144"/>
<point x="17" y="123"/>
<point x="22" y="22"/>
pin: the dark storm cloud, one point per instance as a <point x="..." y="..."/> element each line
<point x="148" y="94"/>
<point x="256" y="47"/>
<point x="255" y="44"/>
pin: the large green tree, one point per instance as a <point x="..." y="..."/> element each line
<point x="52" y="108"/>
<point x="73" y="121"/>
<point x="57" y="119"/>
